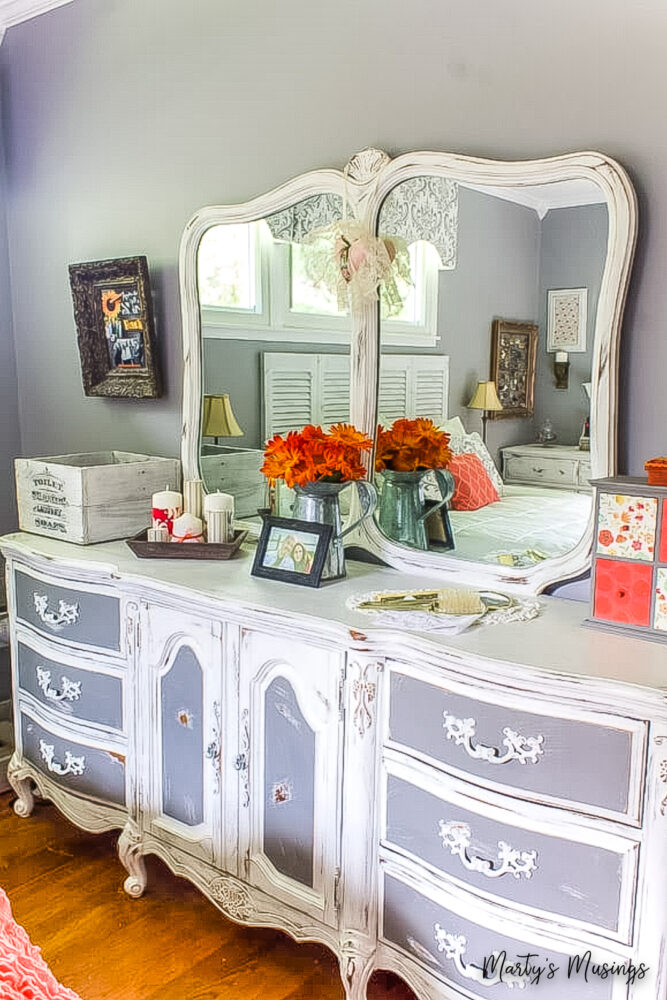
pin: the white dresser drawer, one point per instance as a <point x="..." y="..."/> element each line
<point x="70" y="688"/>
<point x="448" y="938"/>
<point x="571" y="874"/>
<point x="593" y="763"/>
<point x="526" y="469"/>
<point x="73" y="761"/>
<point x="69" y="613"/>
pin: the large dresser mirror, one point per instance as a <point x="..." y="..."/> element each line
<point x="503" y="332"/>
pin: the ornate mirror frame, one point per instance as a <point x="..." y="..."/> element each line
<point x="365" y="183"/>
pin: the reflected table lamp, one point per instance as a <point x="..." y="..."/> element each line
<point x="218" y="418"/>
<point x="485" y="398"/>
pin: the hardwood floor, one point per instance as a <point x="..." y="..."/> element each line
<point x="65" y="887"/>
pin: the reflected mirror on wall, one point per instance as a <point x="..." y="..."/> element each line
<point x="275" y="346"/>
<point x="483" y="255"/>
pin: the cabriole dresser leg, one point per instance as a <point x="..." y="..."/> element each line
<point x="129" y="852"/>
<point x="22" y="786"/>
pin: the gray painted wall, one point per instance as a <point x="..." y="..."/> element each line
<point x="496" y="277"/>
<point x="10" y="439"/>
<point x="112" y="145"/>
<point x="573" y="249"/>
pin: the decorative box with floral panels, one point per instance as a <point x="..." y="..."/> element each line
<point x="630" y="557"/>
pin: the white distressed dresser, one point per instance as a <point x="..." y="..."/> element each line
<point x="563" y="467"/>
<point x="434" y="806"/>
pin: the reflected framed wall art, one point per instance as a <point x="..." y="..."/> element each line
<point x="513" y="353"/>
<point x="114" y="321"/>
<point x="567" y="316"/>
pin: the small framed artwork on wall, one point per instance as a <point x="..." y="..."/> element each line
<point x="114" y="321"/>
<point x="513" y="352"/>
<point x="567" y="315"/>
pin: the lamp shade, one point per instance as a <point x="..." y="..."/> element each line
<point x="218" y="418"/>
<point x="485" y="397"/>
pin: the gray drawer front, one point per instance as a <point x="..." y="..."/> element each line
<point x="581" y="763"/>
<point x="88" y="771"/>
<point x="416" y="925"/>
<point x="565" y="877"/>
<point x="94" y="619"/>
<point x="72" y="693"/>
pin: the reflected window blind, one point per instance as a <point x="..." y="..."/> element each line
<point x="315" y="389"/>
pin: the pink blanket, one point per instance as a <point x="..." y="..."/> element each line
<point x="24" y="975"/>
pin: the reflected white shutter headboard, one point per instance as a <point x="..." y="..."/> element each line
<point x="315" y="389"/>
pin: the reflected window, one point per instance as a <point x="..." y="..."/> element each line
<point x="418" y="312"/>
<point x="254" y="287"/>
<point x="308" y="296"/>
<point x="229" y="268"/>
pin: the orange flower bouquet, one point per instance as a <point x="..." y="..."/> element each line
<point x="412" y="446"/>
<point x="315" y="456"/>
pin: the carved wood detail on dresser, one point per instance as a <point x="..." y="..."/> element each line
<point x="416" y="803"/>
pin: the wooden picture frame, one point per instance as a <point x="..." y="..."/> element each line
<point x="114" y="320"/>
<point x="513" y="354"/>
<point x="275" y="555"/>
<point x="567" y="318"/>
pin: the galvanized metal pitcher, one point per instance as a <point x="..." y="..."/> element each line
<point x="321" y="502"/>
<point x="402" y="511"/>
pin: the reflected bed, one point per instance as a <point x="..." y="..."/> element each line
<point x="516" y="526"/>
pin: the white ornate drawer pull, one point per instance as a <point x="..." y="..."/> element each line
<point x="456" y="837"/>
<point x="521" y="748"/>
<point x="453" y="947"/>
<point x="73" y="765"/>
<point x="71" y="690"/>
<point x="67" y="614"/>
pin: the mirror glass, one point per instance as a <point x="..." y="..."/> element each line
<point x="504" y="290"/>
<point x="275" y="346"/>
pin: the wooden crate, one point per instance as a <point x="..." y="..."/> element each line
<point x="236" y="471"/>
<point x="91" y="498"/>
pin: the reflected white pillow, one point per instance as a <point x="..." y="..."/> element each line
<point x="462" y="443"/>
<point x="453" y="426"/>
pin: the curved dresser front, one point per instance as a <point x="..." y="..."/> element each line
<point x="476" y="813"/>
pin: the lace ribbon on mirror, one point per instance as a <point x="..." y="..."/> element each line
<point x="353" y="263"/>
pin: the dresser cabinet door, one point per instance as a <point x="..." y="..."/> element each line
<point x="181" y="724"/>
<point x="288" y="770"/>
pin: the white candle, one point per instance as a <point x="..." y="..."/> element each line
<point x="218" y="501"/>
<point x="167" y="498"/>
<point x="561" y="357"/>
<point x="187" y="528"/>
<point x="219" y="526"/>
<point x="166" y="504"/>
<point x="192" y="496"/>
<point x="219" y="515"/>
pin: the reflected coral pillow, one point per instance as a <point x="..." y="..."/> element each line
<point x="473" y="489"/>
